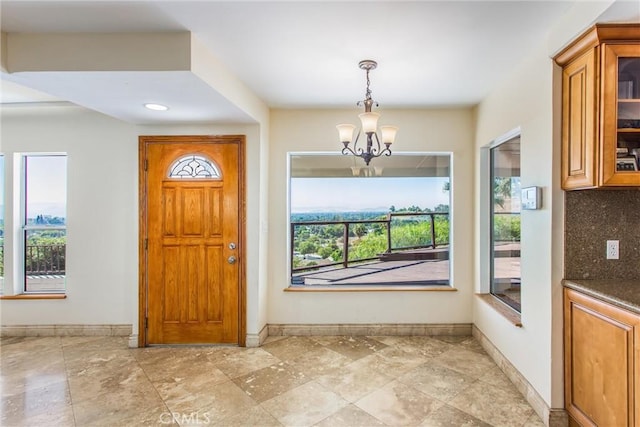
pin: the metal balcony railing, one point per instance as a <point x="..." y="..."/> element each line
<point x="42" y="260"/>
<point x="348" y="231"/>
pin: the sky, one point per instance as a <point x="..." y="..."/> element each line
<point x="46" y="185"/>
<point x="353" y="194"/>
<point x="47" y="191"/>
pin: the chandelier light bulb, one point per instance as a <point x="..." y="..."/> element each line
<point x="388" y="134"/>
<point x="345" y="131"/>
<point x="369" y="121"/>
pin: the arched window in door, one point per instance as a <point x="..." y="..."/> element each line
<point x="194" y="166"/>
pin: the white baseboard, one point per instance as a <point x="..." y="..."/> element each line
<point x="65" y="330"/>
<point x="382" y="329"/>
<point x="552" y="417"/>
<point x="256" y="340"/>
<point x="133" y="341"/>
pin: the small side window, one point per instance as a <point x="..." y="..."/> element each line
<point x="505" y="274"/>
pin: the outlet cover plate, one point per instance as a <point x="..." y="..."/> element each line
<point x="613" y="249"/>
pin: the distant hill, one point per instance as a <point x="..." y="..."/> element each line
<point x="337" y="216"/>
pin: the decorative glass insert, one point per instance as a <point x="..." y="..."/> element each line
<point x="194" y="167"/>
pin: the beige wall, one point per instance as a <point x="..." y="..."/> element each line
<point x="420" y="130"/>
<point x="526" y="100"/>
<point x="102" y="211"/>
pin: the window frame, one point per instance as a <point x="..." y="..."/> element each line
<point x="486" y="257"/>
<point x="25" y="228"/>
<point x="365" y="287"/>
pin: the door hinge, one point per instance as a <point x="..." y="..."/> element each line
<point x="146" y="164"/>
<point x="146" y="244"/>
<point x="146" y="322"/>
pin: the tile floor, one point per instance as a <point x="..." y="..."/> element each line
<point x="291" y="381"/>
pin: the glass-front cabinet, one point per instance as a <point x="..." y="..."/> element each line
<point x="621" y="115"/>
<point x="601" y="108"/>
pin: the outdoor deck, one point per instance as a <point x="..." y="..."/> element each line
<point x="410" y="271"/>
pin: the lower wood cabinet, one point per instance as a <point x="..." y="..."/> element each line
<point x="602" y="362"/>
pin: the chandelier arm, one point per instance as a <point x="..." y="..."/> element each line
<point x="357" y="149"/>
<point x="377" y="150"/>
<point x="348" y="150"/>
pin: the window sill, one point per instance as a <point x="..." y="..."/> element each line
<point x="508" y="313"/>
<point x="33" y="296"/>
<point x="365" y="288"/>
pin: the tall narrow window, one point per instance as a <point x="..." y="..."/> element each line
<point x="505" y="222"/>
<point x="45" y="224"/>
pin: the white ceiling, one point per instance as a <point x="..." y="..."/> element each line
<point x="297" y="54"/>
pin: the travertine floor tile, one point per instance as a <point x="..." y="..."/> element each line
<point x="305" y="405"/>
<point x="243" y="362"/>
<point x="473" y="345"/>
<point x="351" y="416"/>
<point x="437" y="381"/>
<point x="138" y="404"/>
<point x="255" y="416"/>
<point x="352" y="347"/>
<point x="392" y="361"/>
<point x="189" y="394"/>
<point x="22" y="371"/>
<point x="493" y="405"/>
<point x="291" y="348"/>
<point x="466" y="362"/>
<point x="317" y="380"/>
<point x="497" y="378"/>
<point x="96" y="376"/>
<point x="426" y="347"/>
<point x="216" y="401"/>
<point x="38" y="404"/>
<point x="319" y="362"/>
<point x="271" y="381"/>
<point x="354" y="381"/>
<point x="181" y="364"/>
<point x="447" y="416"/>
<point x="534" y="421"/>
<point x="398" y="404"/>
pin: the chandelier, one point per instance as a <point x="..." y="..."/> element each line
<point x="369" y="126"/>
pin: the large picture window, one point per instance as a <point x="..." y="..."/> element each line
<point x="45" y="225"/>
<point x="383" y="225"/>
<point x="505" y="277"/>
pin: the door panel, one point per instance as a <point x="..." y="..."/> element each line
<point x="193" y="294"/>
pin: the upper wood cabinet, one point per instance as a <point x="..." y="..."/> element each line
<point x="601" y="108"/>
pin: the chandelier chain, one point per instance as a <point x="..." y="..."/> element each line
<point x="368" y="93"/>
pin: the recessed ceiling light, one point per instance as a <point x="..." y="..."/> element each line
<point x="156" y="107"/>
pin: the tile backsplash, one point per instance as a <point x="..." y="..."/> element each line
<point x="591" y="218"/>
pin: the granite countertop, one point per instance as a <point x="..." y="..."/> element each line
<point x="623" y="293"/>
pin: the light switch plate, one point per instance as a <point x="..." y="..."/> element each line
<point x="531" y="198"/>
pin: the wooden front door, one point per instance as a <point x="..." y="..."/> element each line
<point x="191" y="240"/>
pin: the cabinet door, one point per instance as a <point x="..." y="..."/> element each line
<point x="579" y="136"/>
<point x="601" y="362"/>
<point x="620" y="115"/>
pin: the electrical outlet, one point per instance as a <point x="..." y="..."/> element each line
<point x="612" y="249"/>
